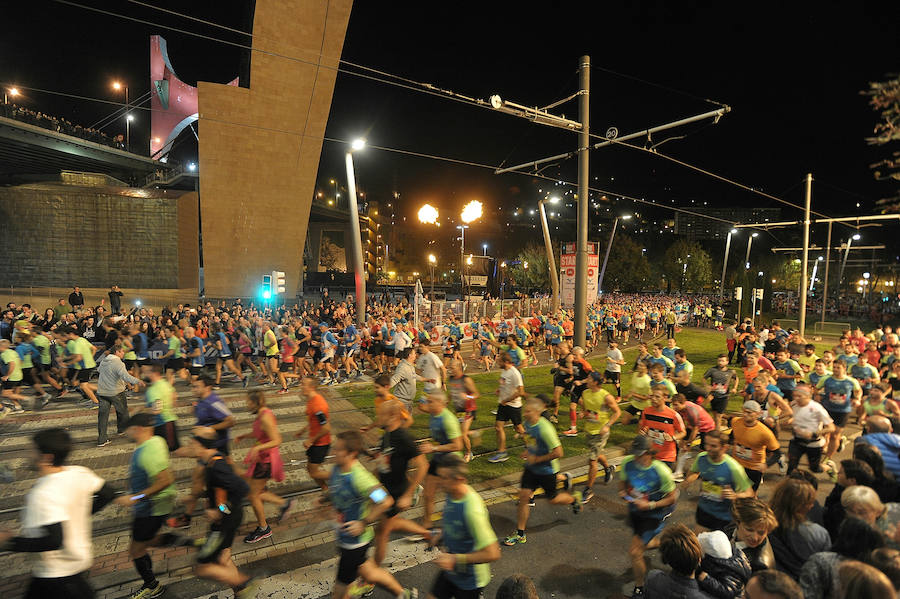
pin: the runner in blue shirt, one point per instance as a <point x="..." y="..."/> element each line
<point x="839" y="394"/>
<point x="787" y="373"/>
<point x="722" y="479"/>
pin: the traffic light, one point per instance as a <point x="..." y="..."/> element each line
<point x="266" y="290"/>
<point x="738" y="293"/>
<point x="278" y="283"/>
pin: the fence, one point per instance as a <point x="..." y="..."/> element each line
<point x="830" y="328"/>
<point x="444" y="312"/>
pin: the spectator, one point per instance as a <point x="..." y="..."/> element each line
<point x="855" y="540"/>
<point x="517" y="586"/>
<point x="885" y="485"/>
<point x="859" y="580"/>
<point x="795" y="539"/>
<point x="680" y="550"/>
<point x="76" y="299"/>
<point x="880" y="434"/>
<point x="115" y="299"/>
<point x="753" y="522"/>
<point x="864" y="503"/>
<point x="817" y="511"/>
<point x="772" y="584"/>
<point x="888" y="561"/>
<point x="724" y="570"/>
<point x="852" y="472"/>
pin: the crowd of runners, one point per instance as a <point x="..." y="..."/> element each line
<point x="687" y="436"/>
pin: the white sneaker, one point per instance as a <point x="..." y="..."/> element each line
<point x="678" y="477"/>
<point x="782" y="465"/>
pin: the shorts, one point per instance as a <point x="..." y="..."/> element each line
<point x="167" y="431"/>
<point x="175" y="364"/>
<point x="596" y="443"/>
<point x="612" y="377"/>
<point x="796" y="450"/>
<point x="349" y="562"/>
<point x="532" y="481"/>
<point x="507" y="413"/>
<point x="75" y="586"/>
<point x="707" y="520"/>
<point x="647" y="525"/>
<point x="326" y="357"/>
<point x="634" y="411"/>
<point x="560" y="381"/>
<point x="444" y="588"/>
<point x="755" y="477"/>
<point x="144" y="528"/>
<point x="221" y="536"/>
<point x="195" y="370"/>
<point x="84" y="375"/>
<point x="395" y="493"/>
<point x="375" y="349"/>
<point x="436" y="460"/>
<point x="316" y="453"/>
<point x="262" y="471"/>
<point x="129" y="364"/>
<point x="840" y="418"/>
<point x="718" y="404"/>
<point x="272" y="357"/>
<point x="388" y="352"/>
<point x="286" y="367"/>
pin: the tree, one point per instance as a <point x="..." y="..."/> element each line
<point x="537" y="275"/>
<point x="687" y="266"/>
<point x="627" y="268"/>
<point x="884" y="98"/>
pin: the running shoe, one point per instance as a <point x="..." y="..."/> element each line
<point x="360" y="589"/>
<point x="4" y="412"/>
<point x="104" y="444"/>
<point x="608" y="474"/>
<point x="417" y="494"/>
<point x="500" y="456"/>
<point x="282" y="391"/>
<point x="842" y="443"/>
<point x="531" y="502"/>
<point x="410" y="593"/>
<point x="468" y="457"/>
<point x="678" y="477"/>
<point x="515" y="539"/>
<point x="245" y="381"/>
<point x="554" y="419"/>
<point x="831" y="470"/>
<point x="246" y="590"/>
<point x="182" y="521"/>
<point x="782" y="465"/>
<point x="258" y="534"/>
<point x="146" y="592"/>
<point x="567" y="481"/>
<point x="18" y="410"/>
<point x="572" y="432"/>
<point x="576" y="505"/>
<point x="587" y="496"/>
<point x="42" y="401"/>
<point x="286" y="507"/>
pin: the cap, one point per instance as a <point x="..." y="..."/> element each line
<point x="752" y="405"/>
<point x="715" y="544"/>
<point x="597" y="376"/>
<point x="640" y="445"/>
<point x="142" y="419"/>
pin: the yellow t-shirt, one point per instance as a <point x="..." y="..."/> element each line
<point x="751" y="443"/>
<point x="596" y="411"/>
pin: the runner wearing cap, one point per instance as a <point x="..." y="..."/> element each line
<point x="651" y="494"/>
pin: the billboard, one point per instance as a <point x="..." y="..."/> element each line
<point x="567" y="274"/>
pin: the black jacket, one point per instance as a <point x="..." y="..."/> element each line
<point x="725" y="577"/>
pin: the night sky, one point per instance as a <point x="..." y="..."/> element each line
<point x="791" y="72"/>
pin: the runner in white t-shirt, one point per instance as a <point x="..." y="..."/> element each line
<point x="56" y="521"/>
<point x="509" y="397"/>
<point x="431" y="369"/>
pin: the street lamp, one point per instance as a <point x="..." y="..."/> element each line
<point x="428" y="214"/>
<point x="484" y="247"/>
<point x="551" y="261"/>
<point x="609" y="247"/>
<point x="747" y="257"/>
<point x="432" y="262"/>
<point x="119" y="86"/>
<point x="11" y="92"/>
<point x="725" y="264"/>
<point x="358" y="263"/>
<point x="850" y="241"/>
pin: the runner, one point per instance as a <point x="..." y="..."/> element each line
<point x="225" y="492"/>
<point x="811" y="425"/>
<point x="787" y="373"/>
<point x="581" y="370"/>
<point x="751" y="440"/>
<point x="467" y="536"/>
<point x="600" y="413"/>
<point x="319" y="427"/>
<point x="152" y="497"/>
<point x="698" y="423"/>
<point x="359" y="501"/>
<point x="56" y="520"/>
<point x="263" y="463"/>
<point x="160" y="399"/>
<point x="722" y="382"/>
<point x="509" y="408"/>
<point x="81" y="358"/>
<point x="614" y="363"/>
<point x="663" y="426"/>
<point x="562" y="377"/>
<point x="286" y="369"/>
<point x="651" y="494"/>
<point x="722" y="480"/>
<point x="839" y="395"/>
<point x="11" y="369"/>
<point x="446" y="438"/>
<point x="463" y="398"/>
<point x="541" y="456"/>
<point x="638" y="393"/>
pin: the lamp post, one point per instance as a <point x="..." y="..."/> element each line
<point x="609" y="247"/>
<point x="747" y="257"/>
<point x="551" y="261"/>
<point x="725" y="265"/>
<point x="850" y="240"/>
<point x="358" y="262"/>
<point x="432" y="261"/>
<point x="118" y="86"/>
<point x="484" y="248"/>
<point x="11" y="92"/>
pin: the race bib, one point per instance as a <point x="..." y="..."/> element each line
<point x="656" y="436"/>
<point x="744" y="453"/>
<point x="837" y="398"/>
<point x="711" y="490"/>
<point x="718" y="387"/>
<point x="591" y="416"/>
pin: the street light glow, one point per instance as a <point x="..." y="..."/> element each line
<point x="733" y="231"/>
<point x="130" y="117"/>
<point x="432" y="258"/>
<point x="554" y="199"/>
<point x="856" y="237"/>
<point x="755" y="235"/>
<point x="625" y="217"/>
<point x="471" y="212"/>
<point x="358" y="144"/>
<point x="14" y="91"/>
<point x="116" y="85"/>
<point x="428" y="214"/>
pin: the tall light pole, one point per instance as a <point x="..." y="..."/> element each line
<point x="359" y="272"/>
<point x="119" y="86"/>
<point x="725" y="265"/>
<point x="484" y="247"/>
<point x="612" y="236"/>
<point x="747" y="257"/>
<point x="850" y="240"/>
<point x="805" y="260"/>
<point x="551" y="261"/>
<point x="432" y="262"/>
<point x="581" y="250"/>
<point x="11" y="92"/>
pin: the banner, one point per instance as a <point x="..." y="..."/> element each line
<point x="567" y="274"/>
<point x="476" y="280"/>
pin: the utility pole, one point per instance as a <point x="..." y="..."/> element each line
<point x="581" y="250"/>
<point x="551" y="260"/>
<point x="805" y="260"/>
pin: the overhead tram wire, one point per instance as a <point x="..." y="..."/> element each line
<point x="108" y="119"/>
